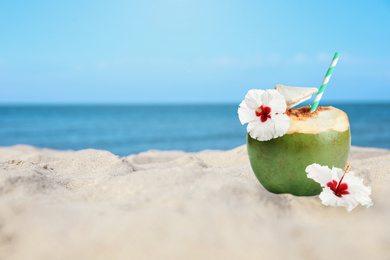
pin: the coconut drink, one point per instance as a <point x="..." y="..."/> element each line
<point x="283" y="141"/>
<point x="322" y="137"/>
<point x="302" y="151"/>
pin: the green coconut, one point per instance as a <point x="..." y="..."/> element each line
<point x="321" y="137"/>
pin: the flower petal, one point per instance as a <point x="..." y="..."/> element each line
<point x="245" y="114"/>
<point x="336" y="173"/>
<point x="321" y="174"/>
<point x="253" y="98"/>
<point x="329" y="199"/>
<point x="282" y="124"/>
<point x="275" y="100"/>
<point x="262" y="131"/>
<point x="358" y="190"/>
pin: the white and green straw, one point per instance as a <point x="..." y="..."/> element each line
<point x="325" y="82"/>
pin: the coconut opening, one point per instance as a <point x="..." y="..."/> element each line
<point x="323" y="119"/>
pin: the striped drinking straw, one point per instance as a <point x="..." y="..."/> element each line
<point x="325" y="82"/>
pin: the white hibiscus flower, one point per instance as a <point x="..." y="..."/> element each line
<point x="264" y="113"/>
<point x="340" y="188"/>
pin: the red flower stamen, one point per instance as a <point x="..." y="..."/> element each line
<point x="263" y="113"/>
<point x="339" y="189"/>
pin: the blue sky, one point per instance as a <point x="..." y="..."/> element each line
<point x="190" y="51"/>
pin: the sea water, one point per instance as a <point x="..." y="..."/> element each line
<point x="128" y="129"/>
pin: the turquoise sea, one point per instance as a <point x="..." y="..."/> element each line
<point x="128" y="129"/>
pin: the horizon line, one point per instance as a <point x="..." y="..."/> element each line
<point x="338" y="102"/>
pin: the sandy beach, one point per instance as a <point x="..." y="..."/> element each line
<point x="91" y="204"/>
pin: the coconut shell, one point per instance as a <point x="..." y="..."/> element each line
<point x="295" y="95"/>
